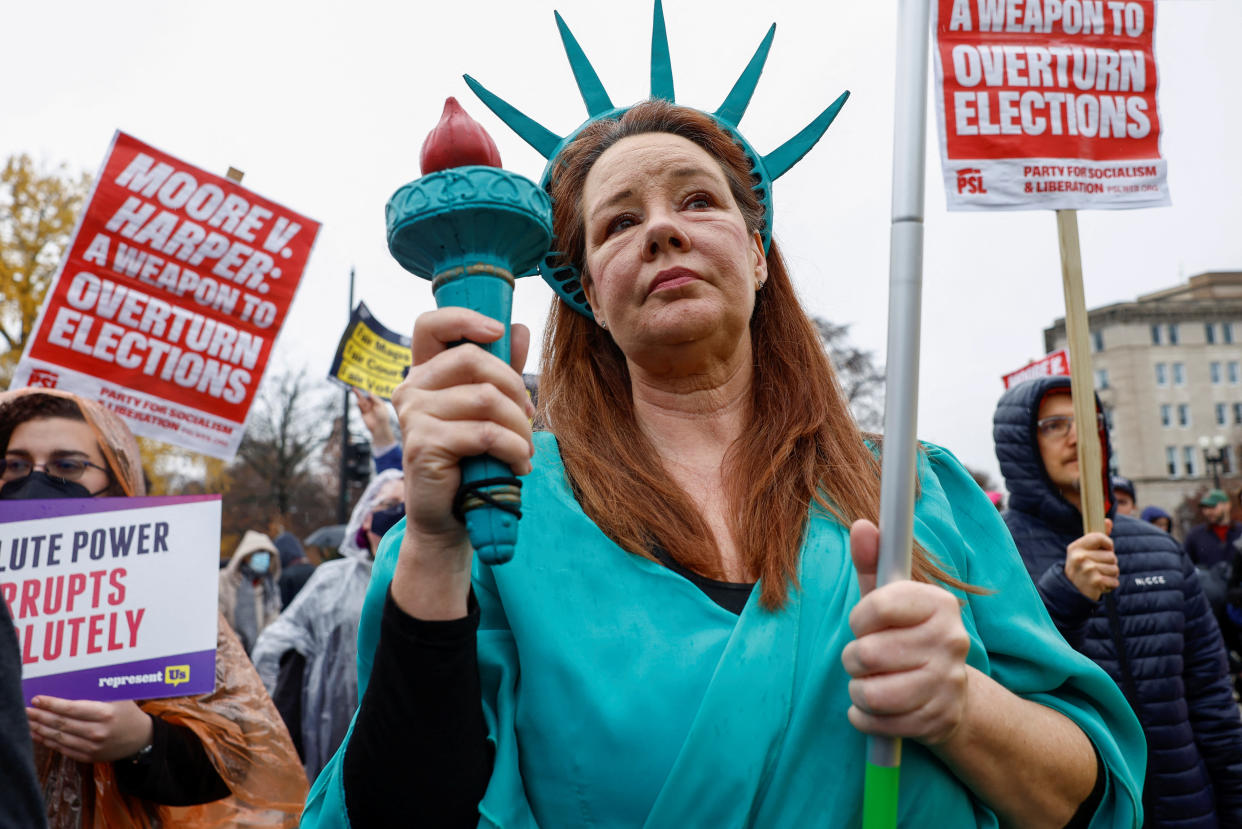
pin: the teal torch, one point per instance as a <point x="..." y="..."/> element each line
<point x="472" y="228"/>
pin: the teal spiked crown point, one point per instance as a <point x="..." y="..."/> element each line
<point x="765" y="169"/>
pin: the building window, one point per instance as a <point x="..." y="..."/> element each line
<point x="1179" y="374"/>
<point x="1172" y="333"/>
<point x="1209" y="333"/>
<point x="1226" y="333"/>
<point x="1155" y="335"/>
<point x="1227" y="466"/>
<point x="1162" y="374"/>
<point x="1170" y="457"/>
<point x="1188" y="460"/>
<point x="1183" y="414"/>
<point x="1233" y="372"/>
<point x="1237" y="414"/>
<point x="1214" y="371"/>
<point x="1166" y="414"/>
<point x="1101" y="378"/>
<point x="1220" y="414"/>
<point x="1097" y="340"/>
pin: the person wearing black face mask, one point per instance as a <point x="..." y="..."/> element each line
<point x="56" y="456"/>
<point x="220" y="759"/>
<point x="383" y="520"/>
<point x="36" y="484"/>
<point x="308" y="657"/>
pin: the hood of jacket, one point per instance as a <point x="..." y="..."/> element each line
<point x="290" y="548"/>
<point x="1017" y="450"/>
<point x="253" y="542"/>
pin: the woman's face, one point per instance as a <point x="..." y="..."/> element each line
<point x="390" y="495"/>
<point x="47" y="439"/>
<point x="669" y="259"/>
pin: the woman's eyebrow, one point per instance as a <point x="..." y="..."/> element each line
<point x="60" y="453"/>
<point x="622" y="195"/>
<point x="612" y="200"/>
<point x="690" y="172"/>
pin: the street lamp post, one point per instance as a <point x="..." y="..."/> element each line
<point x="1215" y="459"/>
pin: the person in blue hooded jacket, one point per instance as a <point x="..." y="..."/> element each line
<point x="1130" y="600"/>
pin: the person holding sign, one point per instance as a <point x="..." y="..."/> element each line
<point x="687" y="634"/>
<point x="1129" y="599"/>
<point x="220" y="759"/>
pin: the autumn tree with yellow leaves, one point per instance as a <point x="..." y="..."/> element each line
<point x="38" y="211"/>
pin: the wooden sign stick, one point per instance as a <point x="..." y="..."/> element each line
<point x="1082" y="385"/>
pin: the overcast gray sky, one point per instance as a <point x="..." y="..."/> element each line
<point x="325" y="106"/>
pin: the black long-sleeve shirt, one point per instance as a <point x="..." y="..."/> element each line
<point x="176" y="772"/>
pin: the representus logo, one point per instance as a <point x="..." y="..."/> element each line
<point x="970" y="180"/>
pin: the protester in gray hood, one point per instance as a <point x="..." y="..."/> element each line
<point x="308" y="657"/>
<point x="249" y="587"/>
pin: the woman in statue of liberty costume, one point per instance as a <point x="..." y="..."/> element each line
<point x="688" y="633"/>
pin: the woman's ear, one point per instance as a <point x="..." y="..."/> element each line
<point x="758" y="259"/>
<point x="588" y="290"/>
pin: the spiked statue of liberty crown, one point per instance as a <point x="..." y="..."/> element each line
<point x="765" y="169"/>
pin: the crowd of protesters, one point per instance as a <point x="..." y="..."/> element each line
<point x="1161" y="617"/>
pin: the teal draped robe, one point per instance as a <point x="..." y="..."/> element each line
<point x="618" y="694"/>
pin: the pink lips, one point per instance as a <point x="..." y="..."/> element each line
<point x="672" y="278"/>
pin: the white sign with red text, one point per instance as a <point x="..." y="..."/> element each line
<point x="1048" y="104"/>
<point x="169" y="299"/>
<point x="113" y="598"/>
<point x="1055" y="364"/>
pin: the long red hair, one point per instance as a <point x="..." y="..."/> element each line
<point x="801" y="446"/>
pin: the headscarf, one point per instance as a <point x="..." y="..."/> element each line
<point x="116" y="441"/>
<point x="237" y="723"/>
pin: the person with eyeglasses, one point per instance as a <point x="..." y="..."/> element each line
<point x="221" y="759"/>
<point x="1129" y="599"/>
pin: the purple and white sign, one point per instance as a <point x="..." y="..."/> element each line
<point x="113" y="598"/>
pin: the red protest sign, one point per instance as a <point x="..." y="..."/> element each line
<point x="169" y="299"/>
<point x="1055" y="364"/>
<point x="1048" y="104"/>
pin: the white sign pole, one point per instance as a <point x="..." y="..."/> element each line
<point x="905" y="294"/>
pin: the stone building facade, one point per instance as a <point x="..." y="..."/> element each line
<point x="1168" y="369"/>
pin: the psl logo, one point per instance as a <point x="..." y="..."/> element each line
<point x="43" y="378"/>
<point x="174" y="675"/>
<point x="970" y="180"/>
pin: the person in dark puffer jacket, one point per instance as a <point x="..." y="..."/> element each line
<point x="1148" y="625"/>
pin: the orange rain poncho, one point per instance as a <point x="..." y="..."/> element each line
<point x="237" y="723"/>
